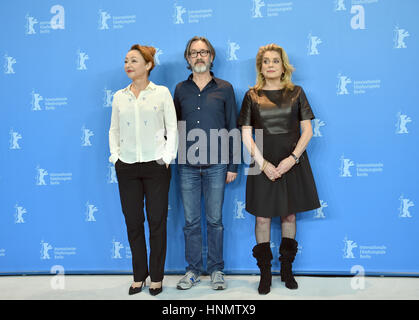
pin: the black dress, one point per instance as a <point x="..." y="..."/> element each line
<point x="278" y="113"/>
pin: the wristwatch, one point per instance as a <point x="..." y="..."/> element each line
<point x="297" y="160"/>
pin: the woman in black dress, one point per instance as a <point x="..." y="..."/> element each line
<point x="281" y="110"/>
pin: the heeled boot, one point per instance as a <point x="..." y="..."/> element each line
<point x="263" y="254"/>
<point x="288" y="250"/>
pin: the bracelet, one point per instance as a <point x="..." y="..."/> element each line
<point x="265" y="163"/>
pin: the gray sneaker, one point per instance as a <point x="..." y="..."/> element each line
<point x="217" y="280"/>
<point x="188" y="281"/>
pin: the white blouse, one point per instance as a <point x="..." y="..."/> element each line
<point x="139" y="126"/>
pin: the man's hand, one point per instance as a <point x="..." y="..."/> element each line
<point x="231" y="176"/>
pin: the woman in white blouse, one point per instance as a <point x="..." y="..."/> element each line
<point x="143" y="140"/>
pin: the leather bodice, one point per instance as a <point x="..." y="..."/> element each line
<point x="275" y="111"/>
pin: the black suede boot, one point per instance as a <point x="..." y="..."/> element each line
<point x="287" y="250"/>
<point x="263" y="254"/>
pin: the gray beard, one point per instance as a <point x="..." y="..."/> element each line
<point x="201" y="68"/>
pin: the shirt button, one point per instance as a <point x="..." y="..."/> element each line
<point x="199" y="108"/>
<point x="198" y="121"/>
<point x="199" y="95"/>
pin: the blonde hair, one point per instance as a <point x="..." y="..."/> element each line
<point x="288" y="68"/>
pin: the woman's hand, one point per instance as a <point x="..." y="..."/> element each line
<point x="271" y="172"/>
<point x="285" y="165"/>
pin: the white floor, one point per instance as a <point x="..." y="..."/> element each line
<point x="240" y="287"/>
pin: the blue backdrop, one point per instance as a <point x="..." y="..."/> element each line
<point x="62" y="62"/>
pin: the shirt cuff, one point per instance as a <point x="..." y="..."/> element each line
<point x="232" y="168"/>
<point x="167" y="158"/>
<point x="113" y="158"/>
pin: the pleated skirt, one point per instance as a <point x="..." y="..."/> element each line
<point x="294" y="192"/>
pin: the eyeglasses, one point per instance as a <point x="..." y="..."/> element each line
<point x="203" y="53"/>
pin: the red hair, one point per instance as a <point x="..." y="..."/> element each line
<point x="147" y="53"/>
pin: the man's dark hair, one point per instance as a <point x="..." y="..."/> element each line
<point x="188" y="47"/>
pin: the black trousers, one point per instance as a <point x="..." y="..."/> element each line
<point x="152" y="180"/>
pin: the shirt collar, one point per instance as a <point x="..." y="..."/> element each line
<point x="151" y="86"/>
<point x="213" y="80"/>
<point x="211" y="73"/>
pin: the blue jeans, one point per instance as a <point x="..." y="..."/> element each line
<point x="209" y="181"/>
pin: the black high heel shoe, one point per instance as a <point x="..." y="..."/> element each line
<point x="156" y="291"/>
<point x="135" y="290"/>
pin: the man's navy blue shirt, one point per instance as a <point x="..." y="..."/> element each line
<point x="212" y="108"/>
